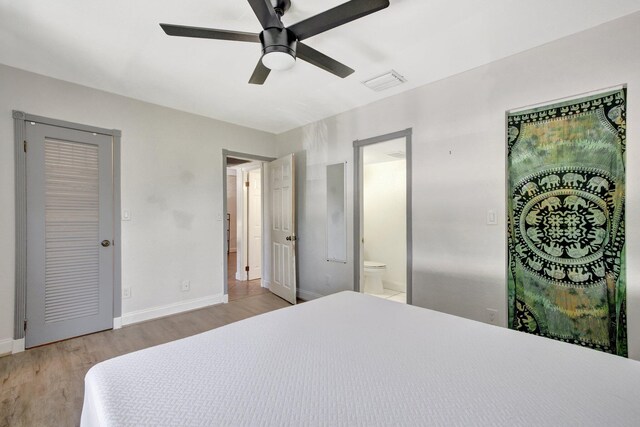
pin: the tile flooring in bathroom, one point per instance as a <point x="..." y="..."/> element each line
<point x="392" y="295"/>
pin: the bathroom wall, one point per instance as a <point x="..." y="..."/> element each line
<point x="385" y="225"/>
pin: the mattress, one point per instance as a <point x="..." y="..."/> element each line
<point x="354" y="359"/>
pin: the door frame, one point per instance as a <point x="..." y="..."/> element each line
<point x="20" y="122"/>
<point x="358" y="182"/>
<point x="228" y="153"/>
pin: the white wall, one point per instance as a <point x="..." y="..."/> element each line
<point x="459" y="168"/>
<point x="171" y="182"/>
<point x="385" y="219"/>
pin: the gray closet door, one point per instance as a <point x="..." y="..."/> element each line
<point x="69" y="233"/>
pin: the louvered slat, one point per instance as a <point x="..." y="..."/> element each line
<point x="71" y="230"/>
<point x="63" y="301"/>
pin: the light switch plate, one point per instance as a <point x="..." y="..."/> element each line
<point x="492" y="217"/>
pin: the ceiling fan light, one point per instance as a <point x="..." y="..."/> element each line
<point x="278" y="61"/>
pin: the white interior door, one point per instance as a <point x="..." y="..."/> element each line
<point x="283" y="237"/>
<point x="254" y="225"/>
<point x="69" y="233"/>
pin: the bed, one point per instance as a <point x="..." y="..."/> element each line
<point x="354" y="359"/>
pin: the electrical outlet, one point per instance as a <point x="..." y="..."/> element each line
<point x="185" y="286"/>
<point x="126" y="292"/>
<point x="492" y="315"/>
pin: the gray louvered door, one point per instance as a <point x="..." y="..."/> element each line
<point x="69" y="214"/>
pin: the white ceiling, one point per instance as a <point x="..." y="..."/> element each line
<point x="117" y="46"/>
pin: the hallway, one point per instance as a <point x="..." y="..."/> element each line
<point x="241" y="289"/>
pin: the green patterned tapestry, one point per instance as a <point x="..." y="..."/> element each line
<point x="566" y="214"/>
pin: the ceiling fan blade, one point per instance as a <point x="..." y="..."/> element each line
<point x="337" y="16"/>
<point x="321" y="60"/>
<point x="266" y="13"/>
<point x="209" y="33"/>
<point x="260" y="74"/>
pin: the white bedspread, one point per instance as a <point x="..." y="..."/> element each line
<point x="353" y="359"/>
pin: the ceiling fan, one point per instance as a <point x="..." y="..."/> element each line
<point x="282" y="45"/>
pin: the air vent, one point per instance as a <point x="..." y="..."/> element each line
<point x="385" y="81"/>
<point x="397" y="154"/>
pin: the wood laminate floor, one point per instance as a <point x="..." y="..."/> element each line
<point x="241" y="289"/>
<point x="44" y="386"/>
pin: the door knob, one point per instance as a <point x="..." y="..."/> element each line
<point x="292" y="238"/>
<point x="105" y="243"/>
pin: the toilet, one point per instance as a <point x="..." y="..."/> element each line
<point x="373" y="272"/>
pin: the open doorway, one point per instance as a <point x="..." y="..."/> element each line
<point x="383" y="216"/>
<point x="243" y="223"/>
<point x="265" y="242"/>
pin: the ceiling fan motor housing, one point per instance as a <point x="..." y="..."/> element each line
<point x="282" y="46"/>
<point x="281" y="6"/>
<point x="278" y="40"/>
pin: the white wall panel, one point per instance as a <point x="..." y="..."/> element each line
<point x="171" y="184"/>
<point x="459" y="168"/>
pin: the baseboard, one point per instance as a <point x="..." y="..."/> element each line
<point x="265" y="283"/>
<point x="225" y="299"/>
<point x="308" y="295"/>
<point x="117" y="322"/>
<point x="169" y="309"/>
<point x="18" y="346"/>
<point x="10" y="346"/>
<point x="6" y="347"/>
<point x="241" y="276"/>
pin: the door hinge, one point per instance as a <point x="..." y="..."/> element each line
<point x="24" y="146"/>
<point x="25" y="324"/>
<point x="246" y="184"/>
<point x="246" y="268"/>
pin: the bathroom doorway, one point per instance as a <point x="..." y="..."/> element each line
<point x="383" y="216"/>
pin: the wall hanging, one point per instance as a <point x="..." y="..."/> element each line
<point x="566" y="221"/>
